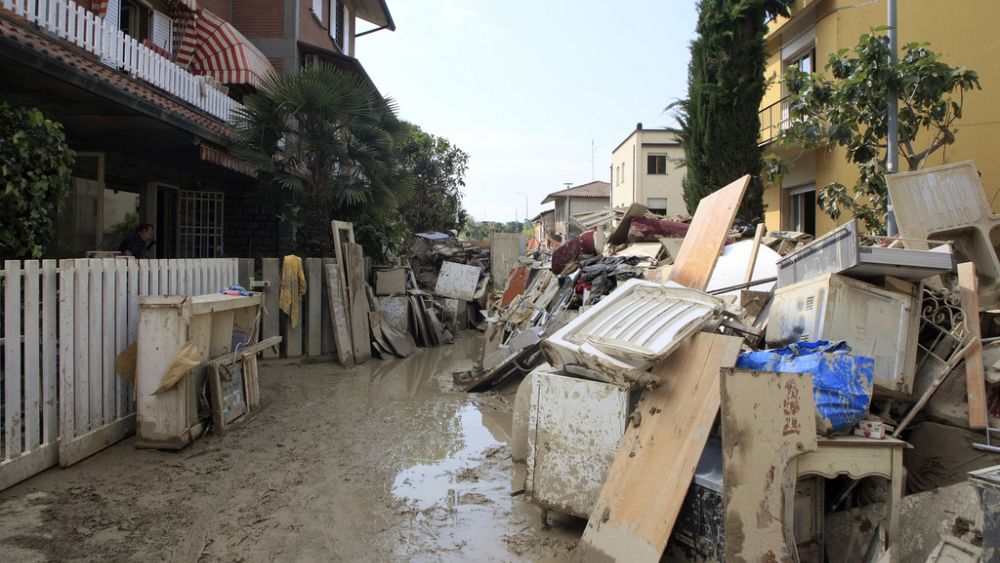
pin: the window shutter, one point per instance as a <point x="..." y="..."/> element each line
<point x="163" y="31"/>
<point x="345" y="34"/>
<point x="337" y="25"/>
<point x="317" y="8"/>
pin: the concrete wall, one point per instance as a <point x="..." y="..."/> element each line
<point x="623" y="188"/>
<point x="963" y="31"/>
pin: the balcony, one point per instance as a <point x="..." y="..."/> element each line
<point x="81" y="27"/>
<point x="773" y="120"/>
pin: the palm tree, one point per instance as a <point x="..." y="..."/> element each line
<point x="326" y="139"/>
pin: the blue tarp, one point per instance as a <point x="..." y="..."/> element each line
<point x="842" y="382"/>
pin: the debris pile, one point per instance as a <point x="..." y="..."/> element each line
<point x="676" y="379"/>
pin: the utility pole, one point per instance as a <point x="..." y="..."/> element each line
<point x="892" y="125"/>
<point x="525" y="205"/>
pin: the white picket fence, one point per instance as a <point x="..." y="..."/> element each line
<point x="63" y="326"/>
<point x="78" y="25"/>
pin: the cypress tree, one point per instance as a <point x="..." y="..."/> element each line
<point x="719" y="121"/>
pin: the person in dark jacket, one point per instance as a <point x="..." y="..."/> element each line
<point x="135" y="243"/>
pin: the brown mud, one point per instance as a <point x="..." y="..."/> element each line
<point x="383" y="462"/>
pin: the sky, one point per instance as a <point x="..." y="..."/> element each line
<point x="527" y="88"/>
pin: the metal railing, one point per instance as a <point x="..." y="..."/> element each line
<point x="773" y="120"/>
<point x="81" y="27"/>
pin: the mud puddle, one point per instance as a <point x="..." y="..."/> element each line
<point x="456" y="501"/>
<point x="381" y="462"/>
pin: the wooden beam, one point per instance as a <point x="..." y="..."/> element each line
<point x="705" y="238"/>
<point x="975" y="380"/>
<point x="642" y="495"/>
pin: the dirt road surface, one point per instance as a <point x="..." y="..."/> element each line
<point x="383" y="462"/>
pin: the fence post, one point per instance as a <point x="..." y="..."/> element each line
<point x="269" y="325"/>
<point x="12" y="359"/>
<point x="314" y="301"/>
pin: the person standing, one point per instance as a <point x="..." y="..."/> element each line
<point x="136" y="243"/>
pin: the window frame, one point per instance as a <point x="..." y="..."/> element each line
<point x="650" y="160"/>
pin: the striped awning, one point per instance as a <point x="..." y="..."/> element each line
<point x="211" y="46"/>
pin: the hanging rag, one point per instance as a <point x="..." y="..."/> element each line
<point x="293" y="287"/>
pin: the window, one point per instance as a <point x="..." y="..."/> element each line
<point x="317" y="9"/>
<point x="135" y="20"/>
<point x="618" y="175"/>
<point x="802" y="210"/>
<point x="657" y="205"/>
<point x="805" y="61"/>
<point x="656" y="164"/>
<point x="199" y="229"/>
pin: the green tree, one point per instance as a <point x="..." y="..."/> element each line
<point x="325" y="139"/>
<point x="719" y="123"/>
<point x="438" y="169"/>
<point x="847" y="109"/>
<point x="35" y="170"/>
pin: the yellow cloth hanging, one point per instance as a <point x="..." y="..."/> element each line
<point x="293" y="287"/>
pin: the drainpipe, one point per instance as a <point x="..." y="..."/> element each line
<point x="892" y="158"/>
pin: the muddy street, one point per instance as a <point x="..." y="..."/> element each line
<point x="381" y="462"/>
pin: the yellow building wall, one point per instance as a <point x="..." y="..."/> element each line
<point x="963" y="32"/>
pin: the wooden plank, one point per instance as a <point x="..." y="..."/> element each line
<point x="269" y="324"/>
<point x="67" y="350"/>
<point x="143" y="266"/>
<point x="767" y="419"/>
<point x="109" y="389"/>
<point x="245" y="272"/>
<point x="183" y="277"/>
<point x="338" y="316"/>
<point x="173" y="270"/>
<point x="96" y="370"/>
<point x="121" y="332"/>
<point x="81" y="386"/>
<point x="707" y="235"/>
<point x="154" y="277"/>
<point x="18" y="469"/>
<point x="50" y="342"/>
<point x="314" y="306"/>
<point x="642" y="495"/>
<point x="164" y="273"/>
<point x="32" y="364"/>
<point x="81" y="447"/>
<point x="753" y="253"/>
<point x="358" y="302"/>
<point x="328" y="343"/>
<point x="975" y="381"/>
<point x="343" y="234"/>
<point x="12" y="360"/>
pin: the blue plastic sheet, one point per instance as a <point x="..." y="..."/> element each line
<point x="842" y="382"/>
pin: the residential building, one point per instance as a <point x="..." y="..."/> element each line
<point x="593" y="196"/>
<point x="963" y="32"/>
<point x="144" y="90"/>
<point x="644" y="170"/>
<point x="544" y="225"/>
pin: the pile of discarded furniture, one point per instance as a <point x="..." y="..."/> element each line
<point x="686" y="391"/>
<point x="194" y="365"/>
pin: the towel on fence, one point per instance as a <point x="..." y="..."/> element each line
<point x="293" y="287"/>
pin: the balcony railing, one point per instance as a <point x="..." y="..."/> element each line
<point x="81" y="27"/>
<point x="773" y="120"/>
